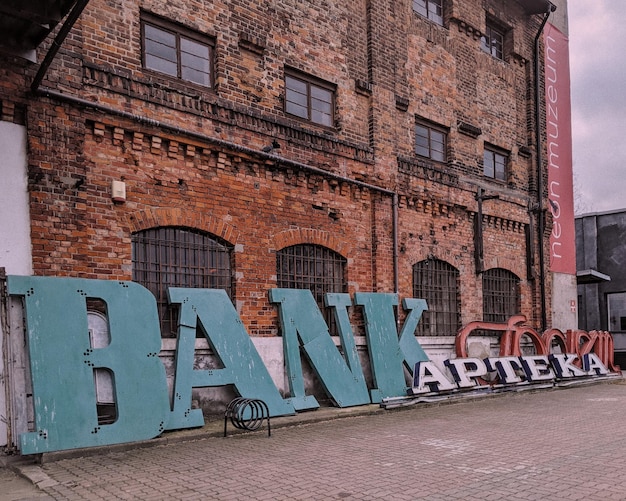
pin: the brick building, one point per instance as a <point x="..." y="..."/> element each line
<point x="339" y="146"/>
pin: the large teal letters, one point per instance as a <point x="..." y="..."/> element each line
<point x="62" y="363"/>
<point x="300" y="317"/>
<point x="212" y="310"/>
<point x="387" y="352"/>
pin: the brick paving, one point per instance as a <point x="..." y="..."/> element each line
<point x="561" y="445"/>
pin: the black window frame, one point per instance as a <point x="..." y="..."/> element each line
<point x="177" y="256"/>
<point x="494" y="155"/>
<point x="493" y="39"/>
<point x="438" y="282"/>
<point x="181" y="34"/>
<point x="311" y="85"/>
<point x="428" y="10"/>
<point x="329" y="275"/>
<point x="501" y="295"/>
<point x="429" y="150"/>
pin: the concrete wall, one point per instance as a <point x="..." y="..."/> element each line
<point x="15" y="247"/>
<point x="601" y="246"/>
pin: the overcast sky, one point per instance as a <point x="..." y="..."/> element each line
<point x="597" y="41"/>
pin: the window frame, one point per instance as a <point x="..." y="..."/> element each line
<point x="430" y="129"/>
<point x="493" y="39"/>
<point x="311" y="84"/>
<point x="320" y="282"/>
<point x="501" y="295"/>
<point x="177" y="244"/>
<point x="426" y="12"/>
<point x="496" y="153"/>
<point x="615" y="305"/>
<point x="438" y="282"/>
<point x="180" y="34"/>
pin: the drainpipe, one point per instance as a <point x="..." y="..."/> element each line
<point x="56" y="43"/>
<point x="49" y="93"/>
<point x="396" y="278"/>
<point x="540" y="185"/>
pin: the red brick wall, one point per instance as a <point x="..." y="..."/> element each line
<point x="389" y="65"/>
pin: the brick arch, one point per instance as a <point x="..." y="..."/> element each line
<point x="156" y="217"/>
<point x="517" y="267"/>
<point x="421" y="254"/>
<point x="297" y="236"/>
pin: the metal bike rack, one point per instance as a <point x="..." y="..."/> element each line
<point x="247" y="414"/>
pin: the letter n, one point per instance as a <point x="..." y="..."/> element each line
<point x="301" y="319"/>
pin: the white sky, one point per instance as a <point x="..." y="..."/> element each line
<point x="597" y="43"/>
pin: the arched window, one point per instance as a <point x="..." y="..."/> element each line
<point x="313" y="267"/>
<point x="501" y="297"/>
<point x="179" y="257"/>
<point x="438" y="283"/>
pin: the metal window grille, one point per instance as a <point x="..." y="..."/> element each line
<point x="438" y="283"/>
<point x="501" y="298"/>
<point x="179" y="257"/>
<point x="312" y="267"/>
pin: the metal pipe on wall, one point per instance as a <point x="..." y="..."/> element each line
<point x="540" y="185"/>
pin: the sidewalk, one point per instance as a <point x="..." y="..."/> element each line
<point x="557" y="444"/>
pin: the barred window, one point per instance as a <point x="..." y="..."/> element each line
<point x="501" y="297"/>
<point x="313" y="267"/>
<point x="438" y="283"/>
<point x="179" y="257"/>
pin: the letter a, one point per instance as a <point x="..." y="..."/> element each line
<point x="213" y="311"/>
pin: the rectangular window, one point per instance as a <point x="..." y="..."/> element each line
<point x="492" y="42"/>
<point x="494" y="164"/>
<point x="176" y="51"/>
<point x="430" y="142"/>
<point x="309" y="99"/>
<point x="616" y="305"/>
<point x="430" y="9"/>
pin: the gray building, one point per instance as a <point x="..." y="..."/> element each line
<point x="601" y="275"/>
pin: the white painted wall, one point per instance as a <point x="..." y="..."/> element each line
<point x="15" y="245"/>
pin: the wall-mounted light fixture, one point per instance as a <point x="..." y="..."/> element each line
<point x="118" y="191"/>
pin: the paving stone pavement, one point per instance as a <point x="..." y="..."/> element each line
<point x="564" y="444"/>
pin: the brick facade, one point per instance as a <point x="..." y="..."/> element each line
<point x="192" y="156"/>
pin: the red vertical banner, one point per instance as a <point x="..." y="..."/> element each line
<point x="559" y="151"/>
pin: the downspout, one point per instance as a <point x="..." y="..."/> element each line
<point x="540" y="208"/>
<point x="396" y="277"/>
<point x="56" y="43"/>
